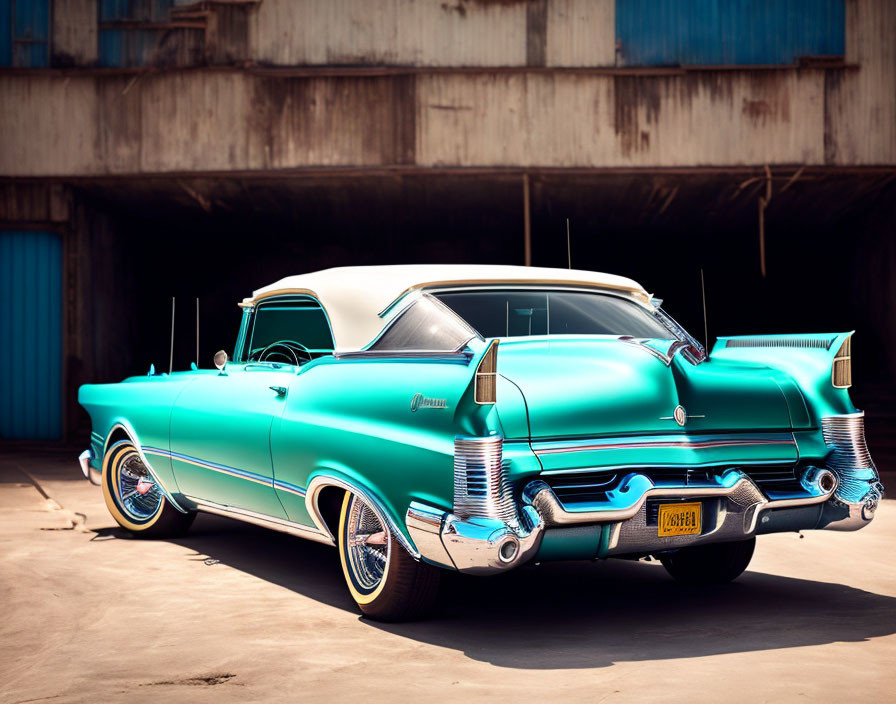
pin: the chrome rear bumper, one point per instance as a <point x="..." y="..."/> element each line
<point x="90" y="474"/>
<point x="628" y="499"/>
<point x="843" y="494"/>
<point x="734" y="508"/>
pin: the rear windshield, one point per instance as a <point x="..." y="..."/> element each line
<point x="505" y="313"/>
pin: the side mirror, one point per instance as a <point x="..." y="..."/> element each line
<point x="221" y="359"/>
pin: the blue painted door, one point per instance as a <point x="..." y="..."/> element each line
<point x="30" y="335"/>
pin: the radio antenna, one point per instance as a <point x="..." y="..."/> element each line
<point x="568" y="248"/>
<point x="171" y="355"/>
<point x="197" y="331"/>
<point x="705" y="324"/>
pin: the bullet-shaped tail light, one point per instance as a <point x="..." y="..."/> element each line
<point x="486" y="383"/>
<point x="841" y="375"/>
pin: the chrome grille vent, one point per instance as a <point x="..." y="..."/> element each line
<point x="849" y="456"/>
<point x="800" y="342"/>
<point x="480" y="485"/>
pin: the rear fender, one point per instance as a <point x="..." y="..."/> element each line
<point x="351" y="481"/>
<point x="808" y="359"/>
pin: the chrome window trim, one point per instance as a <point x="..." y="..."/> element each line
<point x="675" y="329"/>
<point x="250" y="311"/>
<point x="521" y="286"/>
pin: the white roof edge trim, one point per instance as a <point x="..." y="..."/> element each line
<point x="360" y="301"/>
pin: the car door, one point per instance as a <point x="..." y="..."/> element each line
<point x="220" y="436"/>
<point x="221" y="425"/>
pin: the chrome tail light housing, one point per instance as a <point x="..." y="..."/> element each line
<point x="481" y="489"/>
<point x="849" y="458"/>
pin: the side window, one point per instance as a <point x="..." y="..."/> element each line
<point x="425" y="326"/>
<point x="290" y="330"/>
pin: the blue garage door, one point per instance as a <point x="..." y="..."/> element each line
<point x="30" y="335"/>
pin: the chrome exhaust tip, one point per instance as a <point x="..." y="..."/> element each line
<point x="508" y="549"/>
<point x="819" y="481"/>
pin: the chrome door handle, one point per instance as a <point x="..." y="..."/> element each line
<point x="281" y="390"/>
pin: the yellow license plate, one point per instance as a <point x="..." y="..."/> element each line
<point x="679" y="519"/>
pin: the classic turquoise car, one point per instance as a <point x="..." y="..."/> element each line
<point x="478" y="418"/>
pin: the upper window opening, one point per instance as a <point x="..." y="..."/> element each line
<point x="425" y="326"/>
<point x="508" y="313"/>
<point x="288" y="330"/>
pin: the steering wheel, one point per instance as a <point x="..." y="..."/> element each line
<point x="291" y="353"/>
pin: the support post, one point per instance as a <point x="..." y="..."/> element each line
<point x="527" y="226"/>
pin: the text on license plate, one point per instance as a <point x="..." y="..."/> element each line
<point x="679" y="519"/>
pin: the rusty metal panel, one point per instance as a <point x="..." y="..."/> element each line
<point x="726" y="118"/>
<point x="581" y="33"/>
<point x="366" y="121"/>
<point x="129" y="47"/>
<point x="727" y="32"/>
<point x="74" y="32"/>
<point x="406" y="32"/>
<point x="860" y="105"/>
<point x="48" y="125"/>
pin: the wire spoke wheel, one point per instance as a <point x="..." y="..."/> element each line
<point x="135" y="499"/>
<point x="137" y="490"/>
<point x="386" y="582"/>
<point x="369" y="545"/>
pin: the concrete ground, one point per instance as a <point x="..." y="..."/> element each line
<point x="238" y="613"/>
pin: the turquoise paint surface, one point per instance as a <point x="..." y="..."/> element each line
<point x="351" y="418"/>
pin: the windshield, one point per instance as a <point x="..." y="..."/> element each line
<point x="514" y="313"/>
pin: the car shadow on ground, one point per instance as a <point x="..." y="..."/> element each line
<point x="575" y="614"/>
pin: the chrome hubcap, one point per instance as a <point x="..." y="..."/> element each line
<point x="368" y="544"/>
<point x="139" y="494"/>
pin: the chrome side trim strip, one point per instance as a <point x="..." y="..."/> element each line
<point x="324" y="480"/>
<point x="641" y="466"/>
<point x="260" y="519"/>
<point x="214" y="466"/>
<point x="694" y="442"/>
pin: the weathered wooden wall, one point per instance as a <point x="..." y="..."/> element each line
<point x="83" y="123"/>
<point x="220" y="120"/>
<point x="404" y="32"/>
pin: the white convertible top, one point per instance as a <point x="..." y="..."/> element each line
<point x="354" y="297"/>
